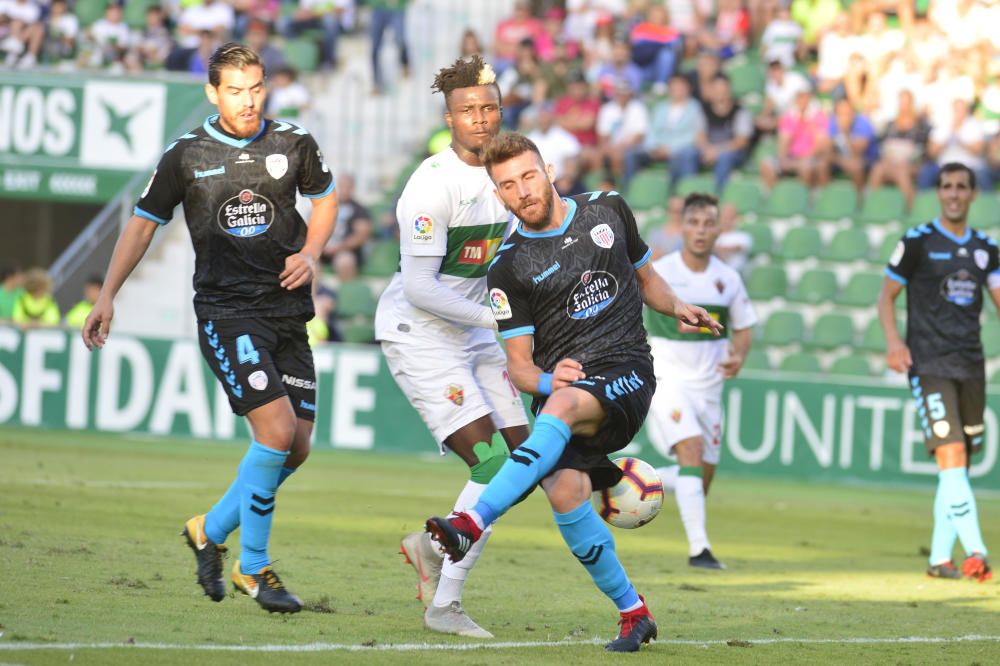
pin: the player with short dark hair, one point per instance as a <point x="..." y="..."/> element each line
<point x="567" y="290"/>
<point x="944" y="266"/>
<point x="255" y="259"/>
<point x="437" y="334"/>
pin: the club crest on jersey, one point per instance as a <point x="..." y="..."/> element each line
<point x="897" y="254"/>
<point x="595" y="291"/>
<point x="720" y="286"/>
<point x="258" y="380"/>
<point x="500" y="304"/>
<point x="455" y="394"/>
<point x="602" y="236"/>
<point x="276" y="165"/>
<point x="423" y="229"/>
<point x="246" y="215"/>
<point x="982" y="258"/>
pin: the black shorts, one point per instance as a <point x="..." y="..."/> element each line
<point x="260" y="360"/>
<point x="950" y="410"/>
<point x="625" y="392"/>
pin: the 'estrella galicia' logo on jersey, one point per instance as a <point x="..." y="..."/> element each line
<point x="247" y="214"/>
<point x="595" y="291"/>
<point x="959" y="288"/>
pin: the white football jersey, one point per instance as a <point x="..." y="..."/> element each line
<point x="689" y="354"/>
<point x="448" y="209"/>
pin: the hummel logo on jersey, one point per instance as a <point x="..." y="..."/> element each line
<point x="218" y="171"/>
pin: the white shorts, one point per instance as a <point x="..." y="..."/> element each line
<point x="450" y="387"/>
<point x="679" y="412"/>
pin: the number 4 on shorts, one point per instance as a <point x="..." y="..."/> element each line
<point x="245" y="352"/>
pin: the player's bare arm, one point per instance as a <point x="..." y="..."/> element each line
<point x="300" y="268"/>
<point x="129" y="250"/>
<point x="528" y="377"/>
<point x="897" y="354"/>
<point x="739" y="346"/>
<point x="995" y="295"/>
<point x="657" y="294"/>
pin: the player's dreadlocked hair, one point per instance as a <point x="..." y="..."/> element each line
<point x="699" y="200"/>
<point x="231" y="55"/>
<point x="465" y="72"/>
<point x="505" y="147"/>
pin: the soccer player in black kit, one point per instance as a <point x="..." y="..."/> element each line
<point x="567" y="290"/>
<point x="255" y="259"/>
<point x="944" y="265"/>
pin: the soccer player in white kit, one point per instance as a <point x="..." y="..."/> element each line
<point x="436" y="330"/>
<point x="685" y="419"/>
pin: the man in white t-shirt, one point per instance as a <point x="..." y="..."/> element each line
<point x="437" y="333"/>
<point x="557" y="146"/>
<point x="212" y="15"/>
<point x="621" y="125"/>
<point x="962" y="141"/>
<point x="685" y="418"/>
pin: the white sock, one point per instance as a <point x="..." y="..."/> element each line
<point x="668" y="477"/>
<point x="453" y="574"/>
<point x="691" y="503"/>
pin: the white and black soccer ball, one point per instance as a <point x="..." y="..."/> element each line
<point x="633" y="501"/>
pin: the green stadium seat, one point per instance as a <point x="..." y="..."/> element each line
<point x="360" y="332"/>
<point x="881" y="205"/>
<point x="873" y="341"/>
<point x="766" y="148"/>
<point x="857" y="366"/>
<point x="302" y="54"/>
<point x="767" y="282"/>
<point x="925" y="208"/>
<point x="756" y="360"/>
<point x="788" y="197"/>
<point x="592" y="180"/>
<point x="887" y="247"/>
<point x="763" y="239"/>
<point x="783" y="327"/>
<point x="747" y="76"/>
<point x="995" y="377"/>
<point x="744" y="193"/>
<point x="991" y="337"/>
<point x="647" y="190"/>
<point x="847" y="245"/>
<point x="983" y="213"/>
<point x="830" y="331"/>
<point x="88" y="11"/>
<point x="383" y="260"/>
<point x="836" y="201"/>
<point x="801" y="243"/>
<point x="698" y="182"/>
<point x="355" y="299"/>
<point x="861" y="290"/>
<point x="815" y="286"/>
<point x="135" y="12"/>
<point x="801" y="362"/>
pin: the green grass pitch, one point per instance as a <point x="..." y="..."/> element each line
<point x="818" y="574"/>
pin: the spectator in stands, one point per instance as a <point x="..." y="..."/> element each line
<point x="782" y="40"/>
<point x="951" y="83"/>
<point x="731" y="32"/>
<point x="25" y="32"/>
<point x="286" y="97"/>
<point x="11" y="288"/>
<point x="835" y="49"/>
<point x="882" y="96"/>
<point x="607" y="74"/>
<point x="815" y="17"/>
<point x="553" y="44"/>
<point x="577" y="112"/>
<point x="317" y="15"/>
<point x="733" y="245"/>
<point x="992" y="158"/>
<point x="35" y="307"/>
<point x="928" y="45"/>
<point x="556" y="72"/>
<point x="198" y="59"/>
<point x="862" y="10"/>
<point x="961" y="21"/>
<point x="725" y="137"/>
<point x="521" y="85"/>
<point x="266" y="12"/>
<point x="707" y="66"/>
<point x="511" y="32"/>
<point x="780" y="88"/>
<point x="962" y="141"/>
<point x="110" y="37"/>
<point x="858" y="82"/>
<point x="62" y="31"/>
<point x="903" y="148"/>
<point x="470" y="44"/>
<point x="345" y="267"/>
<point x="851" y="148"/>
<point x="325" y="305"/>
<point x="878" y="42"/>
<point x="557" y="146"/>
<point x="802" y="133"/>
<point x="656" y="47"/>
<point x="672" y="135"/>
<point x="154" y="42"/>
<point x="77" y="314"/>
<point x="667" y="237"/>
<point x="354" y="225"/>
<point x="214" y="16"/>
<point x="688" y="18"/>
<point x="258" y="37"/>
<point x="388" y="14"/>
<point x="621" y="125"/>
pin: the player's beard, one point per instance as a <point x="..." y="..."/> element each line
<point x="539" y="214"/>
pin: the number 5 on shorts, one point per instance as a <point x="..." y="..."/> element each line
<point x="246" y="353"/>
<point x="935" y="406"/>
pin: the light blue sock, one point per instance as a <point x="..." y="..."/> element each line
<point x="591" y="542"/>
<point x="224" y="517"/>
<point x="944" y="535"/>
<point x="961" y="506"/>
<point x="258" y="481"/>
<point x="528" y="464"/>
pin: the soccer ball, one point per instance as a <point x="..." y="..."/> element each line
<point x="633" y="501"/>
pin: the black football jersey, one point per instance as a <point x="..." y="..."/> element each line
<point x="574" y="288"/>
<point x="944" y="277"/>
<point x="239" y="202"/>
